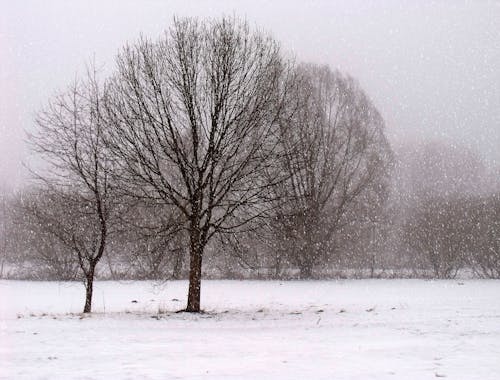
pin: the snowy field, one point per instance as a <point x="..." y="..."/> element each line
<point x="360" y="329"/>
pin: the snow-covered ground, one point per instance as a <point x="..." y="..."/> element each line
<point x="359" y="329"/>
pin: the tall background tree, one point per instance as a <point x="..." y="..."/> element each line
<point x="334" y="151"/>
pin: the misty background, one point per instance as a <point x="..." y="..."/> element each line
<point x="431" y="68"/>
<point x="201" y="151"/>
<point x="430" y="207"/>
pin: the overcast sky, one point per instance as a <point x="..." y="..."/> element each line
<point x="431" y="68"/>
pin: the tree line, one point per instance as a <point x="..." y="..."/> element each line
<point x="209" y="151"/>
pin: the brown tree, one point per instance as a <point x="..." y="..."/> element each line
<point x="194" y="119"/>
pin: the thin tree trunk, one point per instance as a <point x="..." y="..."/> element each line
<point x="372" y="265"/>
<point x="177" y="269"/>
<point x="306" y="270"/>
<point x="195" y="254"/>
<point x="89" y="284"/>
<point x="89" y="287"/>
<point x="277" y="266"/>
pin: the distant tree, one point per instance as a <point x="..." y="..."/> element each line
<point x="76" y="175"/>
<point x="485" y="235"/>
<point x="436" y="169"/>
<point x="3" y="232"/>
<point x="194" y="125"/>
<point x="438" y="234"/>
<point x="427" y="171"/>
<point x="334" y="152"/>
<point x="37" y="252"/>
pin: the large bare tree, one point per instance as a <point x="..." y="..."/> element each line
<point x="76" y="173"/>
<point x="194" y="119"/>
<point x="334" y="151"/>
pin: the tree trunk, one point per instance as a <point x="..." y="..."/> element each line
<point x="193" y="304"/>
<point x="306" y="270"/>
<point x="277" y="266"/>
<point x="89" y="287"/>
<point x="372" y="265"/>
<point x="308" y="253"/>
<point x="2" y="260"/>
<point x="195" y="254"/>
<point x="177" y="269"/>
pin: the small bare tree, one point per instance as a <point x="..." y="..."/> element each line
<point x="194" y="126"/>
<point x="77" y="173"/>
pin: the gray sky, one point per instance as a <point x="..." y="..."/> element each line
<point x="432" y="68"/>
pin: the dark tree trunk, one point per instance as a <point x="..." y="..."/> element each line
<point x="89" y="287"/>
<point x="196" y="253"/>
<point x="193" y="304"/>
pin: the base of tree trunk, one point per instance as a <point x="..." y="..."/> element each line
<point x="194" y="292"/>
<point x="306" y="274"/>
<point x="190" y="311"/>
<point x="88" y="296"/>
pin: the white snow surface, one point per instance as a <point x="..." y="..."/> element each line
<point x="353" y="329"/>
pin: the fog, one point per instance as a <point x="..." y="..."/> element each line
<point x="230" y="140"/>
<point x="432" y="69"/>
